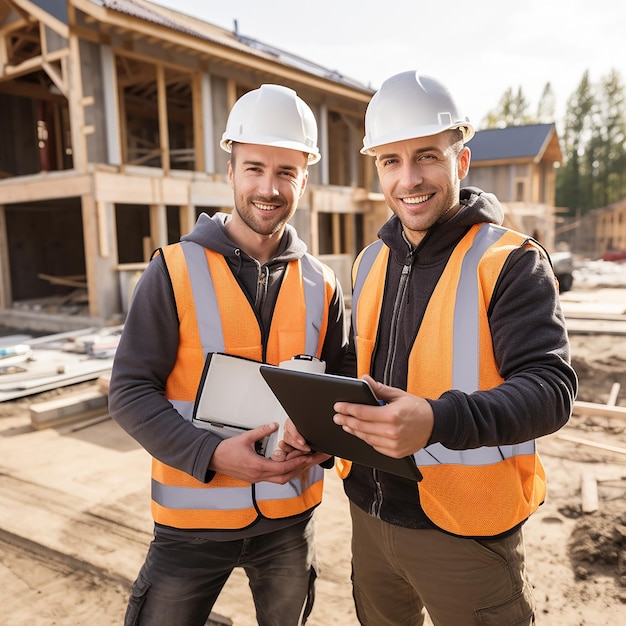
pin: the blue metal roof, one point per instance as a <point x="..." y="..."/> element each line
<point x="512" y="142"/>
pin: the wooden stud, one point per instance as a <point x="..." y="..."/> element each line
<point x="614" y="394"/>
<point x="164" y="138"/>
<point x="600" y="410"/>
<point x="589" y="493"/>
<point x="592" y="444"/>
<point x="103" y="233"/>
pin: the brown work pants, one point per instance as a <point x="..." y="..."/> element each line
<point x="399" y="573"/>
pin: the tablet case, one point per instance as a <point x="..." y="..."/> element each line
<point x="308" y="399"/>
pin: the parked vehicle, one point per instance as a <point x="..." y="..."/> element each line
<point x="563" y="264"/>
<point x="614" y="255"/>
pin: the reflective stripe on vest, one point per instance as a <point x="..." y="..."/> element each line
<point x="215" y="316"/>
<point x="478" y="492"/>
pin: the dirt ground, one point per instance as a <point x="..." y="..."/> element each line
<point x="74" y="566"/>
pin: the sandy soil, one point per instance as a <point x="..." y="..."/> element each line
<point x="576" y="560"/>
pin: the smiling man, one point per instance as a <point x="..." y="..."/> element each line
<point x="243" y="284"/>
<point x="458" y="328"/>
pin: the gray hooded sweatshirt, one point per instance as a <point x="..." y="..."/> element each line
<point x="149" y="344"/>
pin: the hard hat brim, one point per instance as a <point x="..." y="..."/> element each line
<point x="313" y="154"/>
<point x="421" y="131"/>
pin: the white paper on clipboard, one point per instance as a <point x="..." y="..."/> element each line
<point x="233" y="397"/>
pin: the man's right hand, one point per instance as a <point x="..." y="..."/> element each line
<point x="237" y="457"/>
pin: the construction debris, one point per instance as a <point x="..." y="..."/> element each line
<point x="38" y="364"/>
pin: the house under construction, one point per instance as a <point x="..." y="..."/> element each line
<point x="112" y="113"/>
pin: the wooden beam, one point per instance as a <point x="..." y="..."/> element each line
<point x="198" y="122"/>
<point x="21" y="22"/>
<point x="77" y="112"/>
<point x="34" y="63"/>
<point x="205" y="112"/>
<point x="613" y="395"/>
<point x="44" y="187"/>
<point x="164" y="135"/>
<point x="67" y="281"/>
<point x="593" y="444"/>
<point x="187" y="218"/>
<point x="59" y="80"/>
<point x="229" y="54"/>
<point x="90" y="243"/>
<point x="6" y="298"/>
<point x="4" y="57"/>
<point x="336" y="233"/>
<point x="104" y="248"/>
<point x="589" y="493"/>
<point x="110" y="106"/>
<point x="599" y="410"/>
<point x="43" y="16"/>
<point x="158" y="225"/>
<point x="42" y="40"/>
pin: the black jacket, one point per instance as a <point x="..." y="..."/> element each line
<point x="530" y="344"/>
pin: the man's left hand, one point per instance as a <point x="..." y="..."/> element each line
<point x="399" y="428"/>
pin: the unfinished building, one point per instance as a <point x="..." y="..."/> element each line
<point x="112" y="112"/>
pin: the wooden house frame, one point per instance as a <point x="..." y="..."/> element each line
<point x="600" y="233"/>
<point x="111" y="112"/>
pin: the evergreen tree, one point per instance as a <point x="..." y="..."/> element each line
<point x="593" y="139"/>
<point x="546" y="110"/>
<point x="511" y="111"/>
<point x="574" y="177"/>
<point x="610" y="144"/>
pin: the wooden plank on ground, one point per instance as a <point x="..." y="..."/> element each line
<point x="70" y="408"/>
<point x="599" y="410"/>
<point x="589" y="493"/>
<point x="593" y="444"/>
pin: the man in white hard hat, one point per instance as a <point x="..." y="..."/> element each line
<point x="243" y="284"/>
<point x="459" y="330"/>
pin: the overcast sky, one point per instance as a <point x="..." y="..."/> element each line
<point x="479" y="48"/>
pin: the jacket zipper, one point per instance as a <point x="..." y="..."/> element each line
<point x="395" y="315"/>
<point x="377" y="501"/>
<point x="259" y="300"/>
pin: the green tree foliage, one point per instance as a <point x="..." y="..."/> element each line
<point x="573" y="179"/>
<point x="546" y="110"/>
<point x="592" y="136"/>
<point x="511" y="111"/>
<point x="594" y="139"/>
<point x="610" y="142"/>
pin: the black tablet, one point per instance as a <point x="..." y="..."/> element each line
<point x="308" y="399"/>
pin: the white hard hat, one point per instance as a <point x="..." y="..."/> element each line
<point x="272" y="115"/>
<point x="407" y="106"/>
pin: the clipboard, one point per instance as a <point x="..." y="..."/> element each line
<point x="308" y="399"/>
<point x="233" y="398"/>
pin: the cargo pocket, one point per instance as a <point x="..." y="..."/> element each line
<point x="517" y="611"/>
<point x="136" y="601"/>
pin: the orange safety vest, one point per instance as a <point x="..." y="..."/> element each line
<point x="216" y="316"/>
<point x="479" y="492"/>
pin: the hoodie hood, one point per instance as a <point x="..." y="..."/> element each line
<point x="478" y="206"/>
<point x="210" y="232"/>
